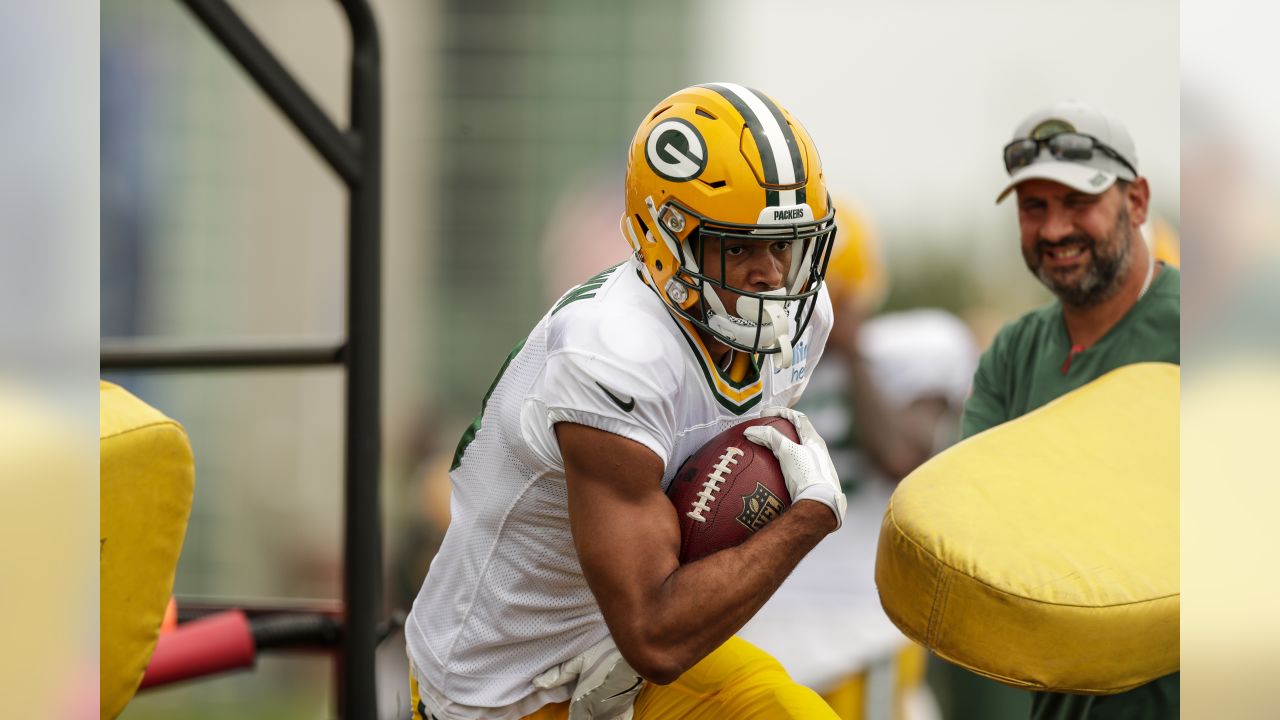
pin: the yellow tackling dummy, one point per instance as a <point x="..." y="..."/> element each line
<point x="147" y="481"/>
<point x="1043" y="553"/>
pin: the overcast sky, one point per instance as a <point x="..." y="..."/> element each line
<point x="911" y="102"/>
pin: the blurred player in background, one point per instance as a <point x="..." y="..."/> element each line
<point x="1162" y="240"/>
<point x="910" y="371"/>
<point x="557" y="591"/>
<point x="1080" y="203"/>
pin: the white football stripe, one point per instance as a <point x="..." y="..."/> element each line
<point x="772" y="132"/>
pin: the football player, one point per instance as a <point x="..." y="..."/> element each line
<point x="557" y="591"/>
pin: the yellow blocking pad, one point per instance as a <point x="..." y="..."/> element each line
<point x="147" y="477"/>
<point x="1043" y="553"/>
<point x="46" y="524"/>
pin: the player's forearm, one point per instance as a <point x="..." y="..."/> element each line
<point x="702" y="604"/>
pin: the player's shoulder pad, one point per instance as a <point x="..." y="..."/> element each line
<point x="628" y="348"/>
<point x="615" y="371"/>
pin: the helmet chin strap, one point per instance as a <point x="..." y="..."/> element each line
<point x="777" y="313"/>
<point x="773" y="331"/>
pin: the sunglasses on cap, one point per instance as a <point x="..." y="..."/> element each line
<point x="1070" y="146"/>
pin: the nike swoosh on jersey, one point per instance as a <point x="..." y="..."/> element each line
<point x="626" y="406"/>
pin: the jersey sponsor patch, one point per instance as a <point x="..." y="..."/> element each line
<point x="787" y="377"/>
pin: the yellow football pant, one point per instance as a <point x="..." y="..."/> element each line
<point x="737" y="680"/>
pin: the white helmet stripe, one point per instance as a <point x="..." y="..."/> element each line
<point x="781" y="154"/>
<point x="779" y="149"/>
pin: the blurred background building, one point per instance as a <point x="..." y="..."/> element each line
<point x="506" y="130"/>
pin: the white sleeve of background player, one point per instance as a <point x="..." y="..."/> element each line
<point x="819" y="330"/>
<point x="616" y="376"/>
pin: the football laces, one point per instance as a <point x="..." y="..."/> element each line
<point x="711" y="485"/>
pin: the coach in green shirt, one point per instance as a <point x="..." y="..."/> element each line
<point x="1081" y="202"/>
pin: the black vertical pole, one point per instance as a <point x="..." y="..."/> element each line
<point x="356" y="156"/>
<point x="362" y="569"/>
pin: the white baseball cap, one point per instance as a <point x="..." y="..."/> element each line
<point x="914" y="354"/>
<point x="1093" y="175"/>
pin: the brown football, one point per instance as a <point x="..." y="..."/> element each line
<point x="728" y="490"/>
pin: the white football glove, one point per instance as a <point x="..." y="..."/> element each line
<point x="806" y="466"/>
<point x="607" y="686"/>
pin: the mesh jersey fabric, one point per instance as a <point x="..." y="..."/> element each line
<point x="505" y="598"/>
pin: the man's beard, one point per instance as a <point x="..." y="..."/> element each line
<point x="1109" y="263"/>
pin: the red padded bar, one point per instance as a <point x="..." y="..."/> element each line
<point x="210" y="645"/>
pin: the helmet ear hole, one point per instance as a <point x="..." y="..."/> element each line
<point x="658" y="264"/>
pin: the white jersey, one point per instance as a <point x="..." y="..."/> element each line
<point x="505" y="598"/>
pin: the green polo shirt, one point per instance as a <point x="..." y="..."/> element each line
<point x="1031" y="362"/>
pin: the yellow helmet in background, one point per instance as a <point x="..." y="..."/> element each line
<point x="857" y="271"/>
<point x="1162" y="240"/>
<point x="724" y="161"/>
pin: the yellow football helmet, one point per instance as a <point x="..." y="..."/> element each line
<point x="725" y="161"/>
<point x="1162" y="240"/>
<point x="857" y="271"/>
